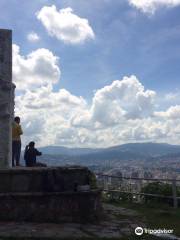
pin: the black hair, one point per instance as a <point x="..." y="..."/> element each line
<point x="31" y="144"/>
<point x="17" y="119"/>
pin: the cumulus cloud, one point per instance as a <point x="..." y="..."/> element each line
<point x="46" y="115"/>
<point x="33" y="37"/>
<point x="62" y="118"/>
<point x="123" y="111"/>
<point x="65" y="25"/>
<point x="123" y="99"/>
<point x="44" y="98"/>
<point x="171" y="113"/>
<point x="150" y="6"/>
<point x="39" y="68"/>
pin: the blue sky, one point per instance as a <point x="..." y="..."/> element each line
<point x="126" y="39"/>
<point x="127" y="42"/>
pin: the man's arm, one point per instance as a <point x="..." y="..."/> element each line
<point x="38" y="153"/>
<point x="20" y="131"/>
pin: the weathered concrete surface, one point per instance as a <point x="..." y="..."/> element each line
<point x="48" y="195"/>
<point x="109" y="227"/>
<point x="46" y="179"/>
<point x="51" y="207"/>
<point x="114" y="210"/>
<point x="6" y="97"/>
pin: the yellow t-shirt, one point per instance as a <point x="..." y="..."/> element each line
<point x="16" y="132"/>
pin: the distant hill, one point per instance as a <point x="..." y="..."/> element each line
<point x="58" y="150"/>
<point x="151" y="149"/>
<point x="126" y="150"/>
<point x="57" y="155"/>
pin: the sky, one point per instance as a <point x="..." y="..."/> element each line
<point x="96" y="73"/>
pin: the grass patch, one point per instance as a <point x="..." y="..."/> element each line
<point x="156" y="216"/>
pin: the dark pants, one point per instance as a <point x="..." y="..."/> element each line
<point x="16" y="152"/>
<point x="37" y="164"/>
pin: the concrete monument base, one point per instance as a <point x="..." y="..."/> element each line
<point x="48" y="195"/>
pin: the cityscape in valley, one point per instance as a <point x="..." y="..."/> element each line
<point x="133" y="160"/>
<point x="127" y="168"/>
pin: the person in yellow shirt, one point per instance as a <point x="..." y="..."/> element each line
<point x="16" y="141"/>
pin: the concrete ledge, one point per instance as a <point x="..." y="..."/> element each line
<point x="51" y="206"/>
<point x="41" y="194"/>
<point x="48" y="179"/>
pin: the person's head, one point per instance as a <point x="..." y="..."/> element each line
<point x="17" y="119"/>
<point x="31" y="144"/>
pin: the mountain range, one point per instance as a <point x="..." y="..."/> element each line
<point x="130" y="151"/>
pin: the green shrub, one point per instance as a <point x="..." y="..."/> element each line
<point x="92" y="180"/>
<point x="159" y="188"/>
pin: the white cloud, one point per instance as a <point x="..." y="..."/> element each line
<point x="46" y="115"/>
<point x="65" y="25"/>
<point x="123" y="99"/>
<point x="171" y="113"/>
<point x="61" y="118"/>
<point x="150" y="6"/>
<point x="123" y="111"/>
<point x="44" y="98"/>
<point x="39" y="68"/>
<point x="33" y="37"/>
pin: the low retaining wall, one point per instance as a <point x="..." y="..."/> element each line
<point x="46" y="179"/>
<point x="48" y="195"/>
<point x="51" y="207"/>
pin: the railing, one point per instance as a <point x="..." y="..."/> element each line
<point x="105" y="182"/>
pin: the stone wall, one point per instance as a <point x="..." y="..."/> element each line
<point x="51" y="207"/>
<point x="48" y="195"/>
<point x="47" y="179"/>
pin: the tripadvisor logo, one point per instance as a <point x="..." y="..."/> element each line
<point x="139" y="231"/>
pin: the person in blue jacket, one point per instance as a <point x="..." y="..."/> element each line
<point x="30" y="155"/>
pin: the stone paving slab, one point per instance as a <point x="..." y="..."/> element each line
<point x="120" y="210"/>
<point x="60" y="231"/>
<point x="43" y="230"/>
<point x="109" y="227"/>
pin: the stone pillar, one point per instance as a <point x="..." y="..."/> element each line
<point x="6" y="97"/>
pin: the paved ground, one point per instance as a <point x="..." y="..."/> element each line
<point x="117" y="222"/>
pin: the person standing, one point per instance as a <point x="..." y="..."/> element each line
<point x="16" y="141"/>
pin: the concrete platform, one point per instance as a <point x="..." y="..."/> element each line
<point x="43" y="179"/>
<point x="48" y="195"/>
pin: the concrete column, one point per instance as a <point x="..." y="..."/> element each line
<point x="6" y="97"/>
